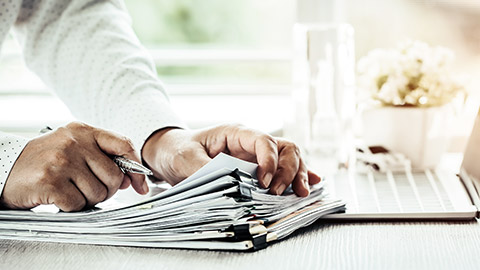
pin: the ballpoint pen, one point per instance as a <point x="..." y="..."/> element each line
<point x="125" y="164"/>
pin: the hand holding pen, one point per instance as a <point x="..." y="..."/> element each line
<point x="125" y="164"/>
<point x="72" y="168"/>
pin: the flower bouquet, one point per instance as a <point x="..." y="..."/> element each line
<point x="406" y="96"/>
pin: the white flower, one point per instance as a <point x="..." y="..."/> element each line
<point x="414" y="74"/>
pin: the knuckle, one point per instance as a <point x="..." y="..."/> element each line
<point x="231" y="128"/>
<point x="78" y="126"/>
<point x="291" y="146"/>
<point x="264" y="137"/>
<point x="58" y="158"/>
<point x="274" y="141"/>
<point x="296" y="149"/>
<point x="72" y="125"/>
<point x="74" y="205"/>
<point x="62" y="130"/>
<point x="232" y="125"/>
<point x="128" y="144"/>
<point x="237" y="126"/>
<point x="67" y="143"/>
<point x="268" y="138"/>
<point x="101" y="195"/>
<point x="116" y="179"/>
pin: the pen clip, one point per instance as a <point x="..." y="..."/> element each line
<point x="46" y="129"/>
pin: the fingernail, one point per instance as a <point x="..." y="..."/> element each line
<point x="267" y="179"/>
<point x="145" y="187"/>
<point x="280" y="189"/>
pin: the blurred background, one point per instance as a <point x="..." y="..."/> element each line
<point x="232" y="62"/>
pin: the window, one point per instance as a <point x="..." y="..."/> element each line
<point x="215" y="56"/>
<point x="212" y="56"/>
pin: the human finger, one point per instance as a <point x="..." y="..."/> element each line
<point x="105" y="170"/>
<point x="114" y="144"/>
<point x="288" y="166"/>
<point x="67" y="197"/>
<point x="126" y="182"/>
<point x="300" y="184"/>
<point x="313" y="178"/>
<point x="267" y="158"/>
<point x="246" y="144"/>
<point x="90" y="186"/>
<point x="262" y="146"/>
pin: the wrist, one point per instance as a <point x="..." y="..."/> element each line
<point x="153" y="144"/>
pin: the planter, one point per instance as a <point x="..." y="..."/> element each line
<point x="421" y="134"/>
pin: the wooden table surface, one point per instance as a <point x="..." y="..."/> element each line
<point x="385" y="245"/>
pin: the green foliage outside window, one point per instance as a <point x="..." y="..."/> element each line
<point x="246" y="23"/>
<point x="216" y="24"/>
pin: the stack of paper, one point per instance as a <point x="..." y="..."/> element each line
<point x="219" y="207"/>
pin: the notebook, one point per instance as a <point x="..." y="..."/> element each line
<point x="434" y="194"/>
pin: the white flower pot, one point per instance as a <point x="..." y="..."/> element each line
<point x="421" y="134"/>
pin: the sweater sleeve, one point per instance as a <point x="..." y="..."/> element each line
<point x="87" y="52"/>
<point x="11" y="147"/>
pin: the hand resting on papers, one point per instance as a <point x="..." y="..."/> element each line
<point x="174" y="154"/>
<point x="70" y="168"/>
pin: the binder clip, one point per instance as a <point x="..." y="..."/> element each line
<point x="244" y="193"/>
<point x="246" y="231"/>
<point x="243" y="177"/>
<point x="241" y="231"/>
<point x="259" y="241"/>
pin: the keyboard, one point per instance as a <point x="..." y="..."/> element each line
<point x="399" y="192"/>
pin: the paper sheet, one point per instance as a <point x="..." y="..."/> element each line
<point x="223" y="161"/>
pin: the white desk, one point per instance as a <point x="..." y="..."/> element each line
<point x="414" y="245"/>
<point x="379" y="245"/>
